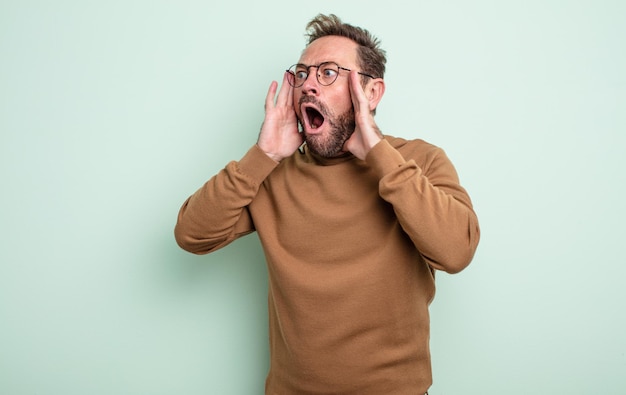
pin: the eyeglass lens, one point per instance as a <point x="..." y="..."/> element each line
<point x="327" y="73"/>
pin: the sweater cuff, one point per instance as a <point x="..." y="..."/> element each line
<point x="384" y="159"/>
<point x="256" y="164"/>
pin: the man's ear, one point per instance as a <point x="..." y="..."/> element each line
<point x="374" y="91"/>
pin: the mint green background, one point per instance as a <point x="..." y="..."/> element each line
<point x="112" y="113"/>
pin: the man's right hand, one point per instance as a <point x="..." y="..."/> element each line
<point x="279" y="136"/>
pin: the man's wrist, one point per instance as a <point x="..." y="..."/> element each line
<point x="275" y="157"/>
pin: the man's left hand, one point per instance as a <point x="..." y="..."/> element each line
<point x="366" y="134"/>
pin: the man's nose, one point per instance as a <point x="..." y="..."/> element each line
<point x="311" y="84"/>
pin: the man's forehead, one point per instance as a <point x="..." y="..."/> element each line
<point x="337" y="49"/>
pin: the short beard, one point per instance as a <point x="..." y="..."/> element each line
<point x="341" y="128"/>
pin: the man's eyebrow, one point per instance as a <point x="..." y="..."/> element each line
<point x="315" y="65"/>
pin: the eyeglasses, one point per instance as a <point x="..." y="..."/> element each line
<point x="327" y="73"/>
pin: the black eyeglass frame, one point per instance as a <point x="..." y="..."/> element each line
<point x="292" y="81"/>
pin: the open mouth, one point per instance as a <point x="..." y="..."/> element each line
<point x="314" y="117"/>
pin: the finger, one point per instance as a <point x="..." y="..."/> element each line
<point x="285" y="95"/>
<point x="271" y="94"/>
<point x="290" y="95"/>
<point x="356" y="92"/>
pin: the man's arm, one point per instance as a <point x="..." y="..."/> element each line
<point x="430" y="204"/>
<point x="217" y="213"/>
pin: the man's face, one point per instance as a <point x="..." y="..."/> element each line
<point x="325" y="113"/>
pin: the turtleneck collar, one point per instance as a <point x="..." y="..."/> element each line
<point x="323" y="161"/>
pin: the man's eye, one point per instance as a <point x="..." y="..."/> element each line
<point x="329" y="72"/>
<point x="301" y="75"/>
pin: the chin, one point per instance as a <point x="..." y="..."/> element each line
<point x="328" y="143"/>
<point x="324" y="146"/>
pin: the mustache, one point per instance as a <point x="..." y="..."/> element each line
<point x="308" y="99"/>
<point x="312" y="100"/>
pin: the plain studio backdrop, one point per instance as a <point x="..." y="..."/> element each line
<point x="113" y="112"/>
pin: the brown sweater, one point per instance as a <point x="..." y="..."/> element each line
<point x="351" y="248"/>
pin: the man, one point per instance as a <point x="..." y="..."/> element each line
<point x="353" y="224"/>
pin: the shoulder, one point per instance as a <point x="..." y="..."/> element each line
<point x="429" y="157"/>
<point x="416" y="149"/>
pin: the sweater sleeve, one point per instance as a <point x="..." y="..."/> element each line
<point x="217" y="213"/>
<point x="430" y="204"/>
